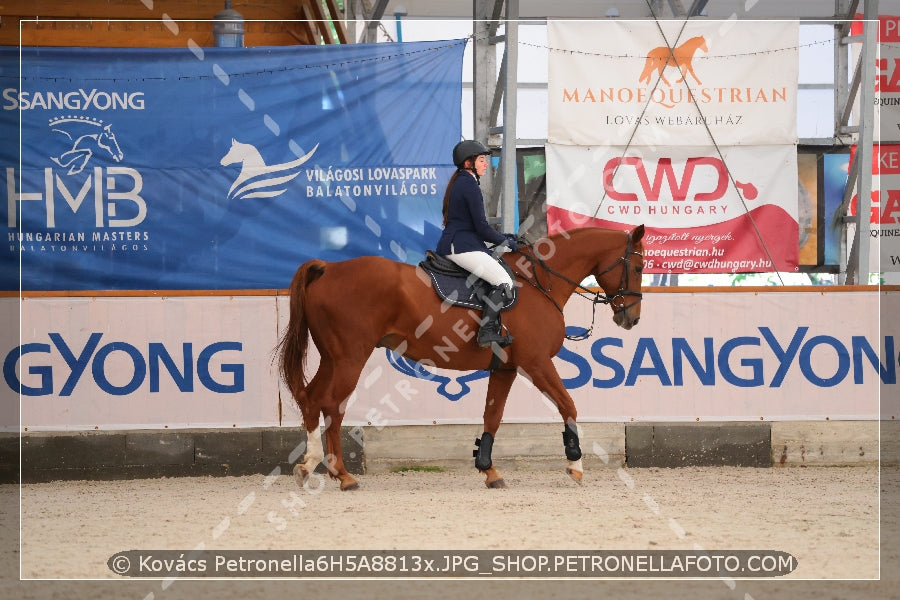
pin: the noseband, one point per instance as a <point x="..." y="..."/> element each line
<point x="623" y="282"/>
<point x="599" y="297"/>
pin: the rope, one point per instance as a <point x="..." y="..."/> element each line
<point x="638" y="121"/>
<point x="712" y="138"/>
<point x="285" y="69"/>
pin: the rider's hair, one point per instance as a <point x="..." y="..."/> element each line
<point x="468" y="165"/>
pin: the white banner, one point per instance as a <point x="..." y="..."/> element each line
<point x="611" y="80"/>
<point x="153" y="363"/>
<point x="697" y="206"/>
<point x="694" y="357"/>
<point x="126" y="363"/>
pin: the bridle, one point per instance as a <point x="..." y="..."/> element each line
<point x="598" y="297"/>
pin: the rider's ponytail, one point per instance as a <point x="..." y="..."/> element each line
<point x="446" y="208"/>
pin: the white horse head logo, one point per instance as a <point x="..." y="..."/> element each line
<point x="256" y="179"/>
<point x="81" y="139"/>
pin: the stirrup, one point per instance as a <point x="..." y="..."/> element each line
<point x="491" y="336"/>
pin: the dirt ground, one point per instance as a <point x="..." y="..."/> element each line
<point x="827" y="518"/>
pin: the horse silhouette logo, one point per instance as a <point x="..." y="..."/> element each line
<point x="256" y="179"/>
<point x="81" y="138"/>
<point x="680" y="57"/>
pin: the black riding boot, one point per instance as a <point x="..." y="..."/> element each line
<point x="490" y="321"/>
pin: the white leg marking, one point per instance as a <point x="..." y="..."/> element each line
<point x="575" y="465"/>
<point x="314" y="451"/>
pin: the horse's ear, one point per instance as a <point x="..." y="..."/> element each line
<point x="637" y="233"/>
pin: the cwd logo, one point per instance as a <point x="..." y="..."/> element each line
<point x="256" y="179"/>
<point x="713" y="173"/>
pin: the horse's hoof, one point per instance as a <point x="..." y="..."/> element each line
<point x="576" y="475"/>
<point x="353" y="485"/>
<point x="300" y="475"/>
<point x="496" y="484"/>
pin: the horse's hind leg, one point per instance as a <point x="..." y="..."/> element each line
<point x="499" y="385"/>
<point x="315" y="454"/>
<point x="328" y="389"/>
<point x="333" y="408"/>
<point x="334" y="458"/>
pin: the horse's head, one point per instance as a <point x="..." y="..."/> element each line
<point x="700" y="43"/>
<point x="621" y="281"/>
<point x="107" y="141"/>
<point x="238" y="153"/>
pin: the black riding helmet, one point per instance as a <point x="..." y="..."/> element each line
<point x="467" y="149"/>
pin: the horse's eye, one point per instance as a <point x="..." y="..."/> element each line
<point x="638" y="269"/>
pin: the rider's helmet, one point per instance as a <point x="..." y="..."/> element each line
<point x="468" y="149"/>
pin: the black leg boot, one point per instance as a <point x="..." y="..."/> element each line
<point x="489" y="332"/>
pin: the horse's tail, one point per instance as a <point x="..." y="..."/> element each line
<point x="295" y="341"/>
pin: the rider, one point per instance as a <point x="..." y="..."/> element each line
<point x="465" y="232"/>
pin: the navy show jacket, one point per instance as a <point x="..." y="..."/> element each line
<point x="467" y="228"/>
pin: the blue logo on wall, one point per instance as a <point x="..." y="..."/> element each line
<point x="414" y="369"/>
<point x="82" y="137"/>
<point x="257" y="179"/>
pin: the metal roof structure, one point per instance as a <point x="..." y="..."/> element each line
<point x="495" y="102"/>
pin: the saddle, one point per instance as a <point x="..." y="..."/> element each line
<point x="452" y="283"/>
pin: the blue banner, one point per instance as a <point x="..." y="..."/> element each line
<point x="215" y="168"/>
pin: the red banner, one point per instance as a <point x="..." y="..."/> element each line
<point x="704" y="213"/>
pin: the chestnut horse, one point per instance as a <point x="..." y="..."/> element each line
<point x="354" y="306"/>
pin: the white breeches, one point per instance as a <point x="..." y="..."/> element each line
<point x="483" y="265"/>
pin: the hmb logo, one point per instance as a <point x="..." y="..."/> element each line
<point x="81" y="138"/>
<point x="114" y="192"/>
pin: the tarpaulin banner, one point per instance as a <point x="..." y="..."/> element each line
<point x="887" y="76"/>
<point x="617" y="83"/>
<point x="882" y="228"/>
<point x="215" y="168"/>
<point x="704" y="213"/>
<point x="201" y="361"/>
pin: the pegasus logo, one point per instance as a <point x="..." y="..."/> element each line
<point x="256" y="179"/>
<point x="81" y="138"/>
<point x="680" y="57"/>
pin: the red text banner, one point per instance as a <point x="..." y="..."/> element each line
<point x="883" y="225"/>
<point x="887" y="76"/>
<point x="704" y="212"/>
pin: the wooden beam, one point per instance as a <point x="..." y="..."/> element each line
<point x="307" y="23"/>
<point x="136" y="34"/>
<point x="338" y="19"/>
<point x="276" y="10"/>
<point x="321" y="20"/>
<point x="129" y="23"/>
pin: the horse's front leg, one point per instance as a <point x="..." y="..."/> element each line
<point x="547" y="380"/>
<point x="499" y="385"/>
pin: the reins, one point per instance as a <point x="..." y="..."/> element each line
<point x="596" y="297"/>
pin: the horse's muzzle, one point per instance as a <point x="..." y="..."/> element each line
<point x="624" y="320"/>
